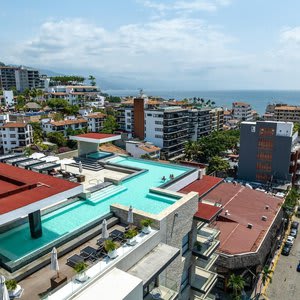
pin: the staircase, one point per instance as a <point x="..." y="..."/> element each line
<point x="105" y="193"/>
<point x="87" y="163"/>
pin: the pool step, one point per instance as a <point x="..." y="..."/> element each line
<point x="88" y="165"/>
<point x="105" y="193"/>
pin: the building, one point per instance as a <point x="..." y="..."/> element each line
<point x="138" y="149"/>
<point x="20" y="78"/>
<point x="8" y="98"/>
<point x="95" y="121"/>
<point x="251" y="228"/>
<point x="167" y="128"/>
<point x="63" y="126"/>
<point x="242" y="111"/>
<point x="15" y="135"/>
<point x="216" y="119"/>
<point x="287" y="113"/>
<point x="265" y="151"/>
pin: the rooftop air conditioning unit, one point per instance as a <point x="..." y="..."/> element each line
<point x="249" y="225"/>
<point x="267" y="207"/>
<point x="264" y="218"/>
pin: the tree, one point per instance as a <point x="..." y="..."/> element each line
<point x="236" y="283"/>
<point x="266" y="276"/>
<point x="92" y="80"/>
<point x="57" y="138"/>
<point x="217" y="164"/>
<point x="37" y="132"/>
<point x="71" y="79"/>
<point x="110" y="125"/>
<point x="193" y="151"/>
<point x="20" y="102"/>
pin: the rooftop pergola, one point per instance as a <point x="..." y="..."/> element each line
<point x="89" y="142"/>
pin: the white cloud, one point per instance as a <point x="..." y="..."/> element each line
<point x="290" y="35"/>
<point x="157" y="47"/>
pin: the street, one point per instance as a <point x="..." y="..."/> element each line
<point x="286" y="280"/>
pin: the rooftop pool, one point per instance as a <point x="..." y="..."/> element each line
<point x="17" y="243"/>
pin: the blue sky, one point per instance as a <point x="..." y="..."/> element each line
<point x="162" y="44"/>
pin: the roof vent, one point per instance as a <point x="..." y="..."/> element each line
<point x="267" y="207"/>
<point x="249" y="225"/>
<point x="226" y="212"/>
<point x="264" y="218"/>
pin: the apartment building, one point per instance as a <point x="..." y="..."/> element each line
<point x="138" y="149"/>
<point x="167" y="128"/>
<point x="20" y="78"/>
<point x="49" y="125"/>
<point x="265" y="151"/>
<point x="75" y="94"/>
<point x="95" y="121"/>
<point x="15" y="135"/>
<point x="287" y="113"/>
<point x="241" y="111"/>
<point x="125" y="119"/>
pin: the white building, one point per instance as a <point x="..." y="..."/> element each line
<point x="8" y="97"/>
<point x="95" y="121"/>
<point x="15" y="135"/>
<point x="48" y="125"/>
<point x="138" y="149"/>
<point x="242" y="111"/>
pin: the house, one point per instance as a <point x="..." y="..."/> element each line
<point x="138" y="149"/>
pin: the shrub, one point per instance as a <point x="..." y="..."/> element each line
<point x="80" y="267"/>
<point x="146" y="222"/>
<point x="131" y="233"/>
<point x="11" y="284"/>
<point x="110" y="245"/>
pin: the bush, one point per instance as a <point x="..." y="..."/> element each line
<point x="80" y="267"/>
<point x="146" y="222"/>
<point x="11" y="284"/>
<point x="110" y="245"/>
<point x="64" y="149"/>
<point x="131" y="233"/>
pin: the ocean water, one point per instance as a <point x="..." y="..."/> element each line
<point x="258" y="99"/>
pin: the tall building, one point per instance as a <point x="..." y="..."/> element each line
<point x="20" y="78"/>
<point x="265" y="151"/>
<point x="287" y="113"/>
<point x="242" y="111"/>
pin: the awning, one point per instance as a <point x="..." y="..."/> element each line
<point x="154" y="263"/>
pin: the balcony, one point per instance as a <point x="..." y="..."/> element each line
<point x="204" y="281"/>
<point x="166" y="290"/>
<point x="206" y="264"/>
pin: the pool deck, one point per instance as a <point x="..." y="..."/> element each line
<point x="38" y="283"/>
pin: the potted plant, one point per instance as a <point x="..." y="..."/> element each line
<point x="111" y="247"/>
<point x="12" y="287"/>
<point x="80" y="268"/>
<point x="146" y="225"/>
<point x="198" y="245"/>
<point x="130" y="236"/>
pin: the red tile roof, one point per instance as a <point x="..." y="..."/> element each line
<point x="207" y="212"/>
<point x="202" y="186"/>
<point x="242" y="206"/>
<point x="14" y="125"/>
<point x="20" y="187"/>
<point x="97" y="136"/>
<point x="68" y="122"/>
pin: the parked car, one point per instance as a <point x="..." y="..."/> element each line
<point x="293" y="232"/>
<point x="290" y="240"/>
<point x="286" y="250"/>
<point x="298" y="267"/>
<point x="295" y="225"/>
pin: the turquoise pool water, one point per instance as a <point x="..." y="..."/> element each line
<point x="17" y="243"/>
<point x="99" y="154"/>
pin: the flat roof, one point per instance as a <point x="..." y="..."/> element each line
<point x="116" y="285"/>
<point x="23" y="191"/>
<point x="202" y="186"/>
<point x="94" y="137"/>
<point x="242" y="206"/>
<point x="207" y="212"/>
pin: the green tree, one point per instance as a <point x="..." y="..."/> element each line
<point x="57" y="138"/>
<point x="217" y="164"/>
<point x="58" y="117"/>
<point x="193" y="151"/>
<point x="71" y="79"/>
<point x="266" y="275"/>
<point x="236" y="283"/>
<point x="110" y="125"/>
<point x="37" y="132"/>
<point x="21" y="101"/>
<point x="113" y="99"/>
<point x="92" y="80"/>
<point x="296" y="128"/>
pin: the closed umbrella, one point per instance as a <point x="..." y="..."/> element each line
<point x="80" y="167"/>
<point x="54" y="261"/>
<point x="105" y="234"/>
<point x="37" y="155"/>
<point x="3" y="289"/>
<point x="130" y="216"/>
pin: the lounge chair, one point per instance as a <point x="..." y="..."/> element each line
<point x="117" y="235"/>
<point x="74" y="260"/>
<point x="88" y="253"/>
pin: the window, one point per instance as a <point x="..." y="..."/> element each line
<point x="185" y="279"/>
<point x="12" y="136"/>
<point x="158" y="122"/>
<point x="128" y="114"/>
<point x="266" y="131"/>
<point x="158" y="129"/>
<point x="149" y="115"/>
<point x="185" y="243"/>
<point x="264" y="167"/>
<point x="158" y="136"/>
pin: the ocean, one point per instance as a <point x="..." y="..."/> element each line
<point x="258" y="99"/>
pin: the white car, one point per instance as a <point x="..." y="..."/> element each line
<point x="290" y="240"/>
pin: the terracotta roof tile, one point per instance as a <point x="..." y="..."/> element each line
<point x="14" y="125"/>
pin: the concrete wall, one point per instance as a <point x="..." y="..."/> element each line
<point x="69" y="154"/>
<point x="85" y="148"/>
<point x="181" y="183"/>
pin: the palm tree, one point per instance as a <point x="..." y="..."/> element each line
<point x="266" y="275"/>
<point x="92" y="80"/>
<point x="236" y="283"/>
<point x="192" y="150"/>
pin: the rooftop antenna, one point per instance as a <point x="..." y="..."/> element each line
<point x="141" y="92"/>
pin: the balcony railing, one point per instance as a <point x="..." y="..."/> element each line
<point x="167" y="290"/>
<point x="204" y="281"/>
<point x="206" y="264"/>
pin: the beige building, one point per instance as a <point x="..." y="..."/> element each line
<point x="287" y="113"/>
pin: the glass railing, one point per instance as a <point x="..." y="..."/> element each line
<point x="167" y="290"/>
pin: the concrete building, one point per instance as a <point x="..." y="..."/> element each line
<point x="241" y="111"/>
<point x="138" y="149"/>
<point x="48" y="125"/>
<point x="265" y="151"/>
<point x="20" y="78"/>
<point x="95" y="121"/>
<point x="15" y="135"/>
<point x="8" y="98"/>
<point x="287" y="113"/>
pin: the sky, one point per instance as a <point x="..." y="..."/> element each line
<point x="158" y="44"/>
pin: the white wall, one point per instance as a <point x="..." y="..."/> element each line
<point x="152" y="130"/>
<point x="8" y="98"/>
<point x="178" y="185"/>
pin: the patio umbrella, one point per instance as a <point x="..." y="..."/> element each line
<point x="3" y="290"/>
<point x="105" y="234"/>
<point x="50" y="158"/>
<point x="130" y="216"/>
<point x="66" y="161"/>
<point x="80" y="167"/>
<point x="54" y="261"/>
